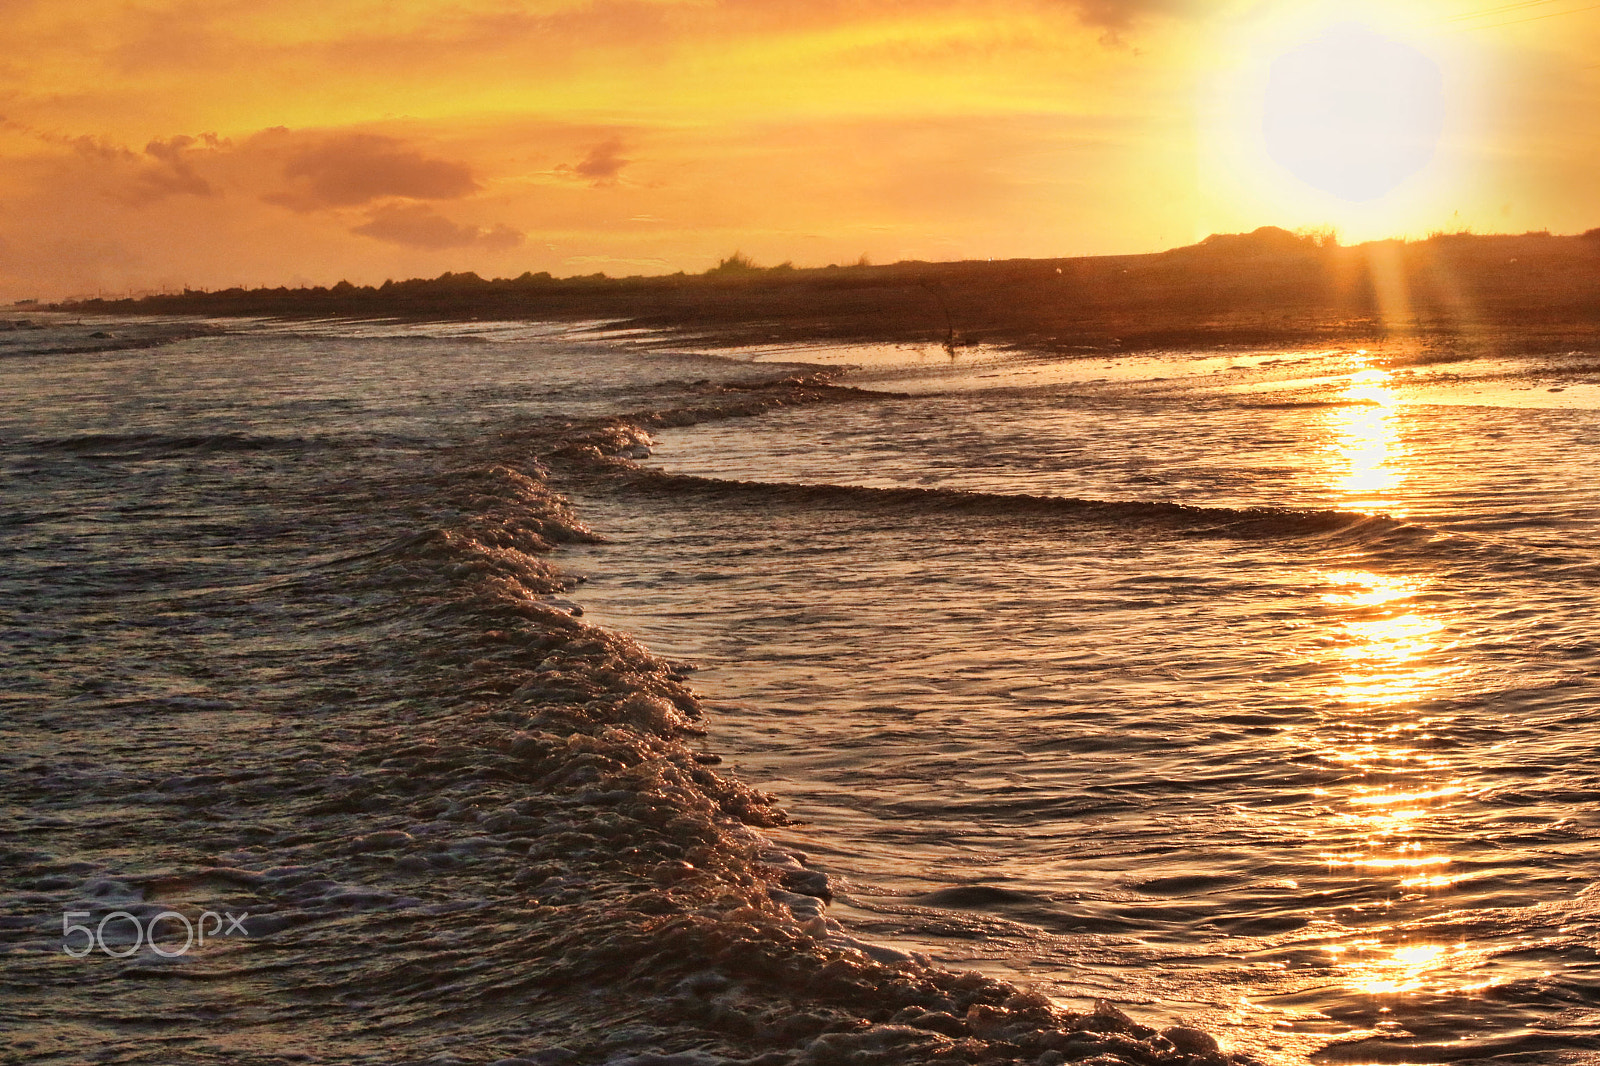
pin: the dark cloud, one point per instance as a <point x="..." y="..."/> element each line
<point x="420" y="226"/>
<point x="601" y="166"/>
<point x="352" y="169"/>
<point x="1115" y="15"/>
<point x="173" y="171"/>
<point x="94" y="148"/>
<point x="173" y="148"/>
<point x="165" y="168"/>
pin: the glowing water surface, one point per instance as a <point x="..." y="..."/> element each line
<point x="1302" y="782"/>
<point x="1332" y="794"/>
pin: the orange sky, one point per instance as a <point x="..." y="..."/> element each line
<point x="207" y="143"/>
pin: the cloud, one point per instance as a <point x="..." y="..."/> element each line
<point x="165" y="168"/>
<point x="420" y="226"/>
<point x="97" y="149"/>
<point x="353" y="169"/>
<point x="601" y="166"/>
<point x="173" y="171"/>
<point x="1115" y="15"/>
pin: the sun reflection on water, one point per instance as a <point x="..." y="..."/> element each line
<point x="1365" y="440"/>
<point x="1378" y="970"/>
<point x="1384" y="820"/>
<point x="1386" y="652"/>
<point x="1380" y="652"/>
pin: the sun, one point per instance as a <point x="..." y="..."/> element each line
<point x="1352" y="112"/>
<point x="1366" y="117"/>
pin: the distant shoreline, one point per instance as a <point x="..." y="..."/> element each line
<point x="1454" y="292"/>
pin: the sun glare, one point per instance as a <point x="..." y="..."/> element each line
<point x="1353" y="116"/>
<point x="1353" y="113"/>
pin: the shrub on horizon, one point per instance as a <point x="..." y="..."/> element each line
<point x="737" y="263"/>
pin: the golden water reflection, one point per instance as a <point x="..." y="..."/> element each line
<point x="1377" y="969"/>
<point x="1365" y="439"/>
<point x="1383" y="651"/>
<point x="1381" y="646"/>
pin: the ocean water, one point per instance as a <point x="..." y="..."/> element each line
<point x="1324" y="780"/>
<point x="1253" y="691"/>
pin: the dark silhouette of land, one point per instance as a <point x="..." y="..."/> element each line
<point x="1267" y="287"/>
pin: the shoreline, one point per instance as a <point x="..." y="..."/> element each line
<point x="738" y="938"/>
<point x="1448" y="293"/>
<point x="518" y="851"/>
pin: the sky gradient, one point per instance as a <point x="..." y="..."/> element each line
<point x="160" y="145"/>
